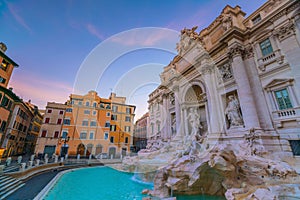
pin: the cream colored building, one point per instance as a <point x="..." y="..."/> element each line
<point x="237" y="76"/>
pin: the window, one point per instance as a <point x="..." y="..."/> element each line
<point x="56" y="134"/>
<point x="115" y="108"/>
<point x="67" y="121"/>
<point x="59" y="121"/>
<point x="47" y="120"/>
<point x="95" y="105"/>
<point x="112" y="127"/>
<point x="101" y="105"/>
<point x="94" y="112"/>
<point x="107" y="124"/>
<point x="127" y="119"/>
<point x="49" y="111"/>
<point x="87" y="103"/>
<point x="127" y="128"/>
<point x="3" y="125"/>
<point x="87" y="112"/>
<point x="2" y="80"/>
<point x="256" y="19"/>
<point x="83" y="135"/>
<point x="44" y="133"/>
<point x="114" y="117"/>
<point x="61" y="112"/>
<point x="112" y="139"/>
<point x="85" y="123"/>
<point x="107" y="106"/>
<point x="80" y="103"/>
<point x="5" y="101"/>
<point x="64" y="134"/>
<point x="72" y="102"/>
<point x="4" y="65"/>
<point x="158" y="127"/>
<point x="93" y="123"/>
<point x="283" y="99"/>
<point x="126" y="140"/>
<point x="69" y="110"/>
<point x="295" y="145"/>
<point x="266" y="47"/>
<point x="105" y="135"/>
<point x="91" y="135"/>
<point x="128" y="111"/>
<point x="107" y="114"/>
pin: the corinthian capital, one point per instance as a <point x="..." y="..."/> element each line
<point x="235" y="50"/>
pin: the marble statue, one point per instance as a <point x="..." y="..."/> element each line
<point x="194" y="120"/>
<point x="173" y="127"/>
<point x="233" y="112"/>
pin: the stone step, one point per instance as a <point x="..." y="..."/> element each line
<point x="8" y="184"/>
<point x="10" y="169"/>
<point x="11" y="190"/>
<point x="5" y="179"/>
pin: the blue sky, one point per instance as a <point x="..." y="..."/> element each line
<point x="50" y="39"/>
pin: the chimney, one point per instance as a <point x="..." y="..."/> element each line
<point x="3" y="47"/>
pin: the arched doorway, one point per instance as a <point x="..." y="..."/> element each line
<point x="81" y="149"/>
<point x="98" y="149"/>
<point x="112" y="152"/>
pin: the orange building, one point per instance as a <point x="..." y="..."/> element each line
<point x="95" y="125"/>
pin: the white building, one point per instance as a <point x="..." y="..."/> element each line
<point x="237" y="76"/>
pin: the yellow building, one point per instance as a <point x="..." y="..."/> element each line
<point x="95" y="125"/>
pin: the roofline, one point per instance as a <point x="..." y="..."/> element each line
<point x="8" y="59"/>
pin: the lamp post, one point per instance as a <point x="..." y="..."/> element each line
<point x="64" y="148"/>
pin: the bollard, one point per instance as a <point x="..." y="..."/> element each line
<point x="32" y="157"/>
<point x="66" y="156"/>
<point x="37" y="162"/>
<point x="111" y="156"/>
<point x="78" y="156"/>
<point x="55" y="158"/>
<point x="46" y="160"/>
<point x="19" y="159"/>
<point x="8" y="161"/>
<point x="62" y="159"/>
<point x="23" y="166"/>
<point x="1" y="168"/>
<point x="30" y="164"/>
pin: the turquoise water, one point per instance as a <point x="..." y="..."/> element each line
<point x="103" y="183"/>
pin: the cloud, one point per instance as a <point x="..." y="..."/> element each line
<point x="94" y="31"/>
<point x="13" y="10"/>
<point x="143" y="38"/>
<point x="40" y="91"/>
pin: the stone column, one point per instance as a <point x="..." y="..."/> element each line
<point x="185" y="119"/>
<point x="164" y="121"/>
<point x="215" y="121"/>
<point x="177" y="111"/>
<point x="255" y="85"/>
<point x="245" y="95"/>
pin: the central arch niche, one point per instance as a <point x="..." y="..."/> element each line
<point x="194" y="94"/>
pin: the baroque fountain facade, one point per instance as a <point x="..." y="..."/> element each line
<point x="216" y="124"/>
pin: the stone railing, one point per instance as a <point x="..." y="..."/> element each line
<point x="286" y="114"/>
<point x="275" y="56"/>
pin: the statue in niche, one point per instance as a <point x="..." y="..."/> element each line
<point x="194" y="119"/>
<point x="227" y="22"/>
<point x="172" y="99"/>
<point x="173" y="126"/>
<point x="233" y="112"/>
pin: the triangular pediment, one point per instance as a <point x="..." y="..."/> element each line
<point x="277" y="82"/>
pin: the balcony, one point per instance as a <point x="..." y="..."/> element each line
<point x="286" y="115"/>
<point x="275" y="56"/>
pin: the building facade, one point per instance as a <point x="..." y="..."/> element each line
<point x="140" y="133"/>
<point x="91" y="125"/>
<point x="236" y="76"/>
<point x="51" y="129"/>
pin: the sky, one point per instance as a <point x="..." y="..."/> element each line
<point x="67" y="46"/>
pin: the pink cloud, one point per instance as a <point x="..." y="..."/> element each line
<point x="94" y="31"/>
<point x="13" y="10"/>
<point x="143" y="38"/>
<point x="40" y="91"/>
